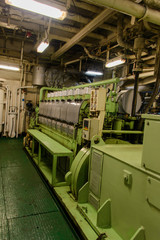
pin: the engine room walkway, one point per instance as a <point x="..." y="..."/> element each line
<point x="27" y="209"/>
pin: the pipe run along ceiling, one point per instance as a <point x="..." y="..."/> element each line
<point x="89" y="31"/>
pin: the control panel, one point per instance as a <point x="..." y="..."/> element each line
<point x="98" y="99"/>
<point x="90" y="128"/>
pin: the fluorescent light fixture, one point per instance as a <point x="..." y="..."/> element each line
<point x="93" y="73"/>
<point x="6" y="67"/>
<point x="42" y="46"/>
<point x="38" y="7"/>
<point x="115" y="62"/>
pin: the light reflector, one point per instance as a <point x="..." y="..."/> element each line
<point x="114" y="62"/>
<point x="6" y="67"/>
<point x="93" y="73"/>
<point x="38" y="7"/>
<point x="42" y="46"/>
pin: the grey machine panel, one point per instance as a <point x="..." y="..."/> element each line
<point x="73" y="112"/>
<point x="57" y="110"/>
<point x="125" y="100"/>
<point x="64" y="108"/>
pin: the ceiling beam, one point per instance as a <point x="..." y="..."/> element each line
<point x="71" y="29"/>
<point x="34" y="27"/>
<point x="92" y="25"/>
<point x="85" y="20"/>
<point x="29" y="17"/>
<point x="66" y="39"/>
<point x="85" y="5"/>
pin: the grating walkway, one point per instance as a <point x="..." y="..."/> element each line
<point x="27" y="210"/>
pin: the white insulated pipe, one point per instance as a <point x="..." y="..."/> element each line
<point x="6" y="109"/>
<point x="19" y="105"/>
<point x="132" y="9"/>
<point x="1" y="108"/>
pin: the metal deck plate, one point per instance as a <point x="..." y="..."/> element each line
<point x="25" y="193"/>
<point x="4" y="233"/>
<point x="10" y="155"/>
<point x="47" y="226"/>
<point x="27" y="210"/>
<point x="2" y="205"/>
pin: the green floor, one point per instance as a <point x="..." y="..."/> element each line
<point x="27" y="210"/>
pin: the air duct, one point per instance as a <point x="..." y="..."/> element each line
<point x="132" y="9"/>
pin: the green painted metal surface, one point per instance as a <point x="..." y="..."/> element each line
<point x="79" y="171"/>
<point x="46" y="89"/>
<point x="49" y="167"/>
<point x="70" y="143"/>
<point x="151" y="148"/>
<point x="133" y="192"/>
<point x="122" y="132"/>
<point x="27" y="209"/>
<point x="51" y="145"/>
<point x="151" y="117"/>
<point x="71" y="206"/>
<point x="96" y="84"/>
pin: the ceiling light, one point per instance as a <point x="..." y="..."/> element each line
<point x="6" y="67"/>
<point x="93" y="73"/>
<point x="38" y="7"/>
<point x="42" y="46"/>
<point x="114" y="62"/>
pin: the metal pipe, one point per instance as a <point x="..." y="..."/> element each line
<point x="96" y="84"/>
<point x="6" y="112"/>
<point x="18" y="113"/>
<point x="152" y="3"/>
<point x="148" y="57"/>
<point x="132" y="9"/>
<point x="134" y="102"/>
<point x="6" y="106"/>
<point x="47" y="89"/>
<point x="19" y="105"/>
<point x="120" y="40"/>
<point x="141" y="76"/>
<point x="1" y="107"/>
<point x="24" y="87"/>
<point x="73" y="61"/>
<point x="24" y="80"/>
<point x="22" y="68"/>
<point x="122" y="132"/>
<point x="92" y="56"/>
<point x="9" y="103"/>
<point x="80" y="65"/>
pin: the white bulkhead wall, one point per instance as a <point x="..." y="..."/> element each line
<point x="12" y="81"/>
